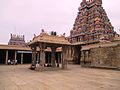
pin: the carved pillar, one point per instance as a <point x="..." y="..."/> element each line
<point x="42" y="55"/>
<point x="34" y="55"/>
<point x="38" y="57"/>
<point x="82" y="58"/>
<point x="21" y="58"/>
<point x="53" y="48"/>
<point x="87" y="56"/>
<point x="64" y="57"/>
<point x="15" y="55"/>
<point x="6" y="61"/>
<point x="68" y="53"/>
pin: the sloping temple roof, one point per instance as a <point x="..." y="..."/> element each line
<point x="103" y="44"/>
<point x="14" y="47"/>
<point x="45" y="38"/>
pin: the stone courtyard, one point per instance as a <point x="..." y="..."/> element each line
<point x="19" y="77"/>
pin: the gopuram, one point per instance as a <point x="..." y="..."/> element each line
<point x="96" y="44"/>
<point x="44" y="43"/>
<point x="17" y="40"/>
<point x="92" y="23"/>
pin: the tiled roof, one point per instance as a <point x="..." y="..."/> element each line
<point x="14" y="47"/>
<point x="104" y="44"/>
<point x="45" y="38"/>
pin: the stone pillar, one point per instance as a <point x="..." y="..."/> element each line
<point x="87" y="57"/>
<point x="67" y="52"/>
<point x="83" y="58"/>
<point x="53" y="56"/>
<point x="64" y="57"/>
<point x="38" y="56"/>
<point x="42" y="55"/>
<point x="21" y="58"/>
<point x="33" y="56"/>
<point x="15" y="55"/>
<point x="6" y="61"/>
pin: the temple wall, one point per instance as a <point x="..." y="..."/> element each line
<point x="70" y="54"/>
<point x="101" y="56"/>
<point x="73" y="54"/>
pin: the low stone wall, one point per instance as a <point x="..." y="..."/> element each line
<point x="101" y="57"/>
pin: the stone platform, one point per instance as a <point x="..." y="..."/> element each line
<point x="19" y="77"/>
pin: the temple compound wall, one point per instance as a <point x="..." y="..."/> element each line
<point x="102" y="56"/>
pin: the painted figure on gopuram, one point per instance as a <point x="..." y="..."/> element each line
<point x="92" y="23"/>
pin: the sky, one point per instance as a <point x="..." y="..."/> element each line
<point x="28" y="17"/>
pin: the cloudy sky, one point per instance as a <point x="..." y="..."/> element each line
<point x="28" y="17"/>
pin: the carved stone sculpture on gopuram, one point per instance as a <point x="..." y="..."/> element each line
<point x="92" y="23"/>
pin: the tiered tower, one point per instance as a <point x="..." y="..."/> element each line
<point x="92" y="23"/>
<point x="17" y="40"/>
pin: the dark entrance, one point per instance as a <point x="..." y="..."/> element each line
<point x="11" y="54"/>
<point x="48" y="57"/>
<point x="24" y="57"/>
<point x="2" y="56"/>
<point x="27" y="58"/>
<point x="58" y="57"/>
<point x="19" y="58"/>
<point x="77" y="54"/>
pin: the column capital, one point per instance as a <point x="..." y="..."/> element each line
<point x="42" y="46"/>
<point x="33" y="48"/>
<point x="53" y="48"/>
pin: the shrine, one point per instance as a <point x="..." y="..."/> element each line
<point x="44" y="43"/>
<point x="92" y="23"/>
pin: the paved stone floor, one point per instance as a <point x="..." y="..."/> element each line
<point x="19" y="77"/>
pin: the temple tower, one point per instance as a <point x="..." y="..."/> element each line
<point x="17" y="40"/>
<point x="92" y="23"/>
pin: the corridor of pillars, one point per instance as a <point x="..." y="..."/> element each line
<point x="56" y="58"/>
<point x="22" y="57"/>
<point x="46" y="59"/>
